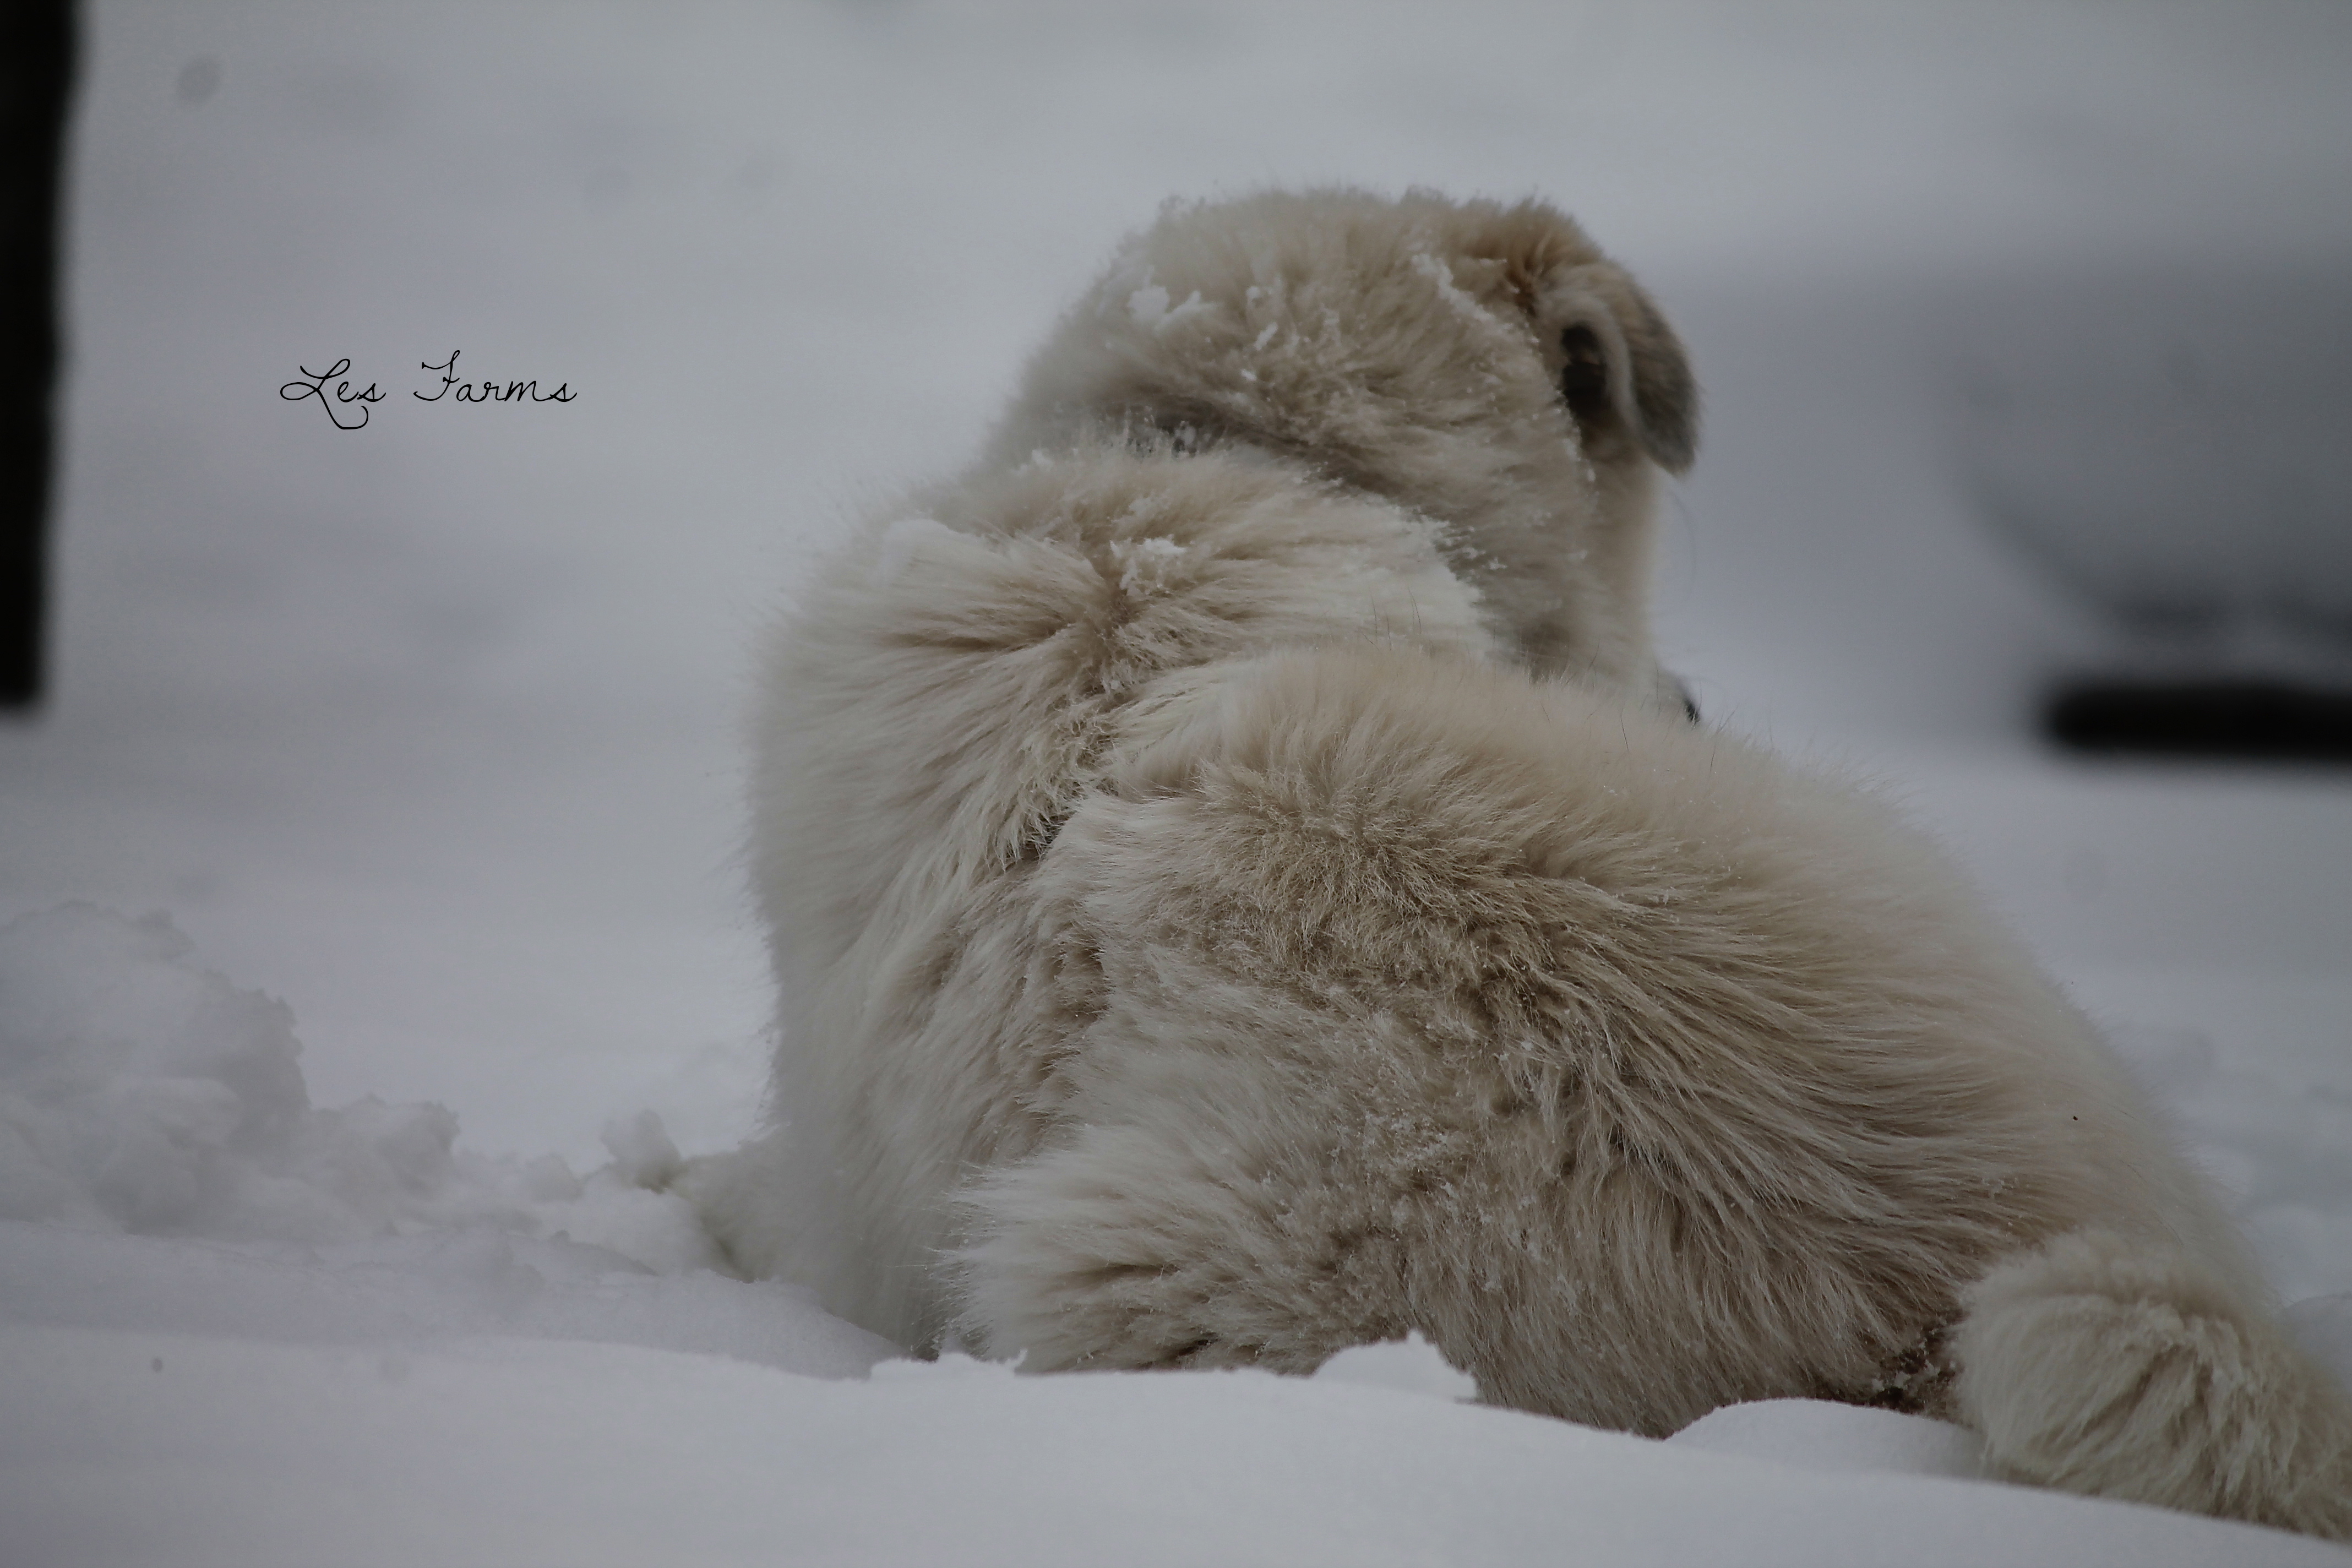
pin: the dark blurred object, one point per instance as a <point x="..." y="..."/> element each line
<point x="2237" y="720"/>
<point x="2170" y="448"/>
<point x="36" y="69"/>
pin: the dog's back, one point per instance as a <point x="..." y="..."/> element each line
<point x="1241" y="887"/>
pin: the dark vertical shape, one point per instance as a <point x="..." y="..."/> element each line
<point x="36" y="69"/>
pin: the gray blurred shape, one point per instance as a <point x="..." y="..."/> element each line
<point x="2175" y="447"/>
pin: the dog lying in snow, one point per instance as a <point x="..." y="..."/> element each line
<point x="1241" y="887"/>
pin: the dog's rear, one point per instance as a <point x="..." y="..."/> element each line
<point x="1241" y="887"/>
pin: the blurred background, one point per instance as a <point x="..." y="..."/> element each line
<point x="2022" y="330"/>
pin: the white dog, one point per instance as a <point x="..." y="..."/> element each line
<point x="1241" y="887"/>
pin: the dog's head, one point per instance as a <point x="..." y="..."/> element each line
<point x="1485" y="366"/>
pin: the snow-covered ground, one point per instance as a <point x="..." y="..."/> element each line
<point x="421" y="735"/>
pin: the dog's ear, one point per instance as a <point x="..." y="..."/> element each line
<point x="1621" y="367"/>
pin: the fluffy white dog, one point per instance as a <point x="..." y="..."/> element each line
<point x="1241" y="887"/>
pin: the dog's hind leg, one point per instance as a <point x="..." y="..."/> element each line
<point x="2098" y="1365"/>
<point x="1190" y="1233"/>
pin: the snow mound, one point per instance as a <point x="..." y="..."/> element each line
<point x="1410" y="1364"/>
<point x="1821" y="1436"/>
<point x="162" y="1169"/>
<point x="949" y="1366"/>
<point x="142" y="1093"/>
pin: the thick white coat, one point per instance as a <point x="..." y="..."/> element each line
<point x="1240" y="887"/>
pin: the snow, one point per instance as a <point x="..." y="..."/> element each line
<point x="1820" y="1435"/>
<point x="161" y="1167"/>
<point x="1150" y="307"/>
<point x="372" y="945"/>
<point x="1143" y="564"/>
<point x="549" y="1452"/>
<point x="1410" y="1363"/>
<point x="1457" y="298"/>
<point x="142" y="1094"/>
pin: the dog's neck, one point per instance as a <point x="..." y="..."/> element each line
<point x="1555" y="542"/>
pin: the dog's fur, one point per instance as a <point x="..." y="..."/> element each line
<point x="1241" y="887"/>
